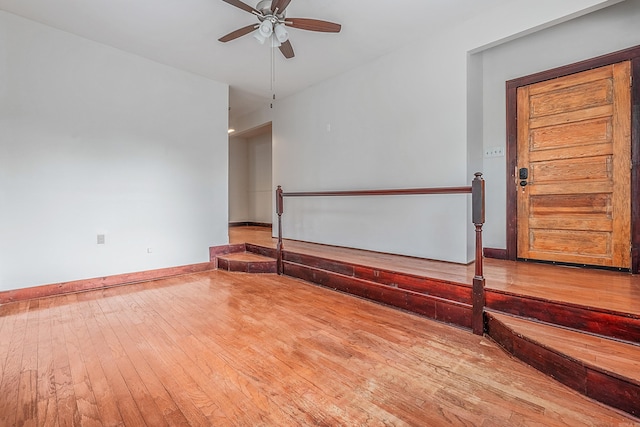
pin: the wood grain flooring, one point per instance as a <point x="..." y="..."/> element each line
<point x="616" y="291"/>
<point x="228" y="349"/>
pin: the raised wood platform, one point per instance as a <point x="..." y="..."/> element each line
<point x="584" y="304"/>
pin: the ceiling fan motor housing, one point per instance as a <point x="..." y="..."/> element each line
<point x="264" y="7"/>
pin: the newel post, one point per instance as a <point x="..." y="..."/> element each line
<point x="279" y="210"/>
<point x="478" y="214"/>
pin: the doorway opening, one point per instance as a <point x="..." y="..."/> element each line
<point x="250" y="177"/>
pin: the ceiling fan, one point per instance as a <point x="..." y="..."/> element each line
<point x="271" y="14"/>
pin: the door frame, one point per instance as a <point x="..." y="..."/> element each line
<point x="632" y="55"/>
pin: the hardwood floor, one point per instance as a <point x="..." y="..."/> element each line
<point x="230" y="349"/>
<point x="593" y="288"/>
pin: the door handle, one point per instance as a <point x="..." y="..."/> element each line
<point x="523" y="174"/>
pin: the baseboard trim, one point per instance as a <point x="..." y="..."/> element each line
<point x="250" y="224"/>
<point x="495" y="253"/>
<point x="100" y="282"/>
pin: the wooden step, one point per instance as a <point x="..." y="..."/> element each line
<point x="431" y="306"/>
<point x="604" y="369"/>
<point x="246" y="262"/>
<point x="458" y="292"/>
<point x="261" y="250"/>
<point x="617" y="325"/>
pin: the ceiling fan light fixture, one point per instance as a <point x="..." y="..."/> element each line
<point x="266" y="28"/>
<point x="259" y="37"/>
<point x="281" y="33"/>
<point x="275" y="42"/>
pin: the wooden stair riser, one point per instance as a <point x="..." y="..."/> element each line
<point x="261" y="250"/>
<point x="439" y="288"/>
<point x="543" y="360"/>
<point x="446" y="311"/>
<point x="608" y="388"/>
<point x="614" y="392"/>
<point x="608" y="324"/>
<point x="255" y="267"/>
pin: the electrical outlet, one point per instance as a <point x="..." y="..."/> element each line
<point x="497" y="151"/>
<point x="100" y="239"/>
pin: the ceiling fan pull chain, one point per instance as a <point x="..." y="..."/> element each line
<point x="273" y="76"/>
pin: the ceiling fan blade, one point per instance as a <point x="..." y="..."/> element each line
<point x="287" y="49"/>
<point x="280" y="6"/>
<point x="313" y="25"/>
<point x="243" y="6"/>
<point x="238" y="33"/>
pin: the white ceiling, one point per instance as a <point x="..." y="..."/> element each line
<point x="184" y="34"/>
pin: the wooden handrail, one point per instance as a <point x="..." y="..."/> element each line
<point x="397" y="192"/>
<point x="477" y="190"/>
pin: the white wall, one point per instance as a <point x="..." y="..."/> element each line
<point x="250" y="188"/>
<point x="598" y="33"/>
<point x="370" y="129"/>
<point x="94" y="140"/>
<point x="401" y="121"/>
<point x="238" y="180"/>
<point x="254" y="120"/>
<point x="260" y="171"/>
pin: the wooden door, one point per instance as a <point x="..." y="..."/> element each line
<point x="574" y="140"/>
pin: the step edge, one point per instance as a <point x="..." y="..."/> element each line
<point x="445" y="311"/>
<point x="574" y="359"/>
<point x="566" y="328"/>
<point x="352" y="271"/>
<point x="448" y="301"/>
<point x="230" y="257"/>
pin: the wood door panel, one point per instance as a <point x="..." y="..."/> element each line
<point x="570" y="241"/>
<point x="567" y="188"/>
<point x="596" y="131"/>
<point x="572" y="80"/>
<point x="571" y="212"/>
<point x="591" y="204"/>
<point x="572" y="152"/>
<point x="574" y="139"/>
<point x="570" y="258"/>
<point x="588" y="168"/>
<point x="588" y="95"/>
<point x="572" y="223"/>
<point x="574" y="116"/>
